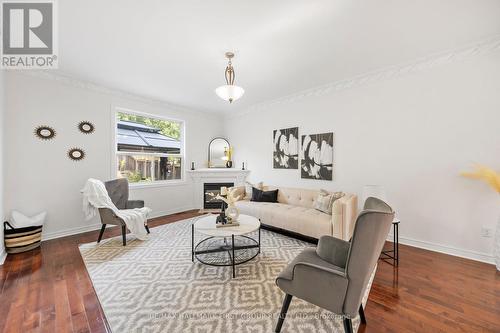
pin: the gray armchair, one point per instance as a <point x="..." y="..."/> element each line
<point x="118" y="192"/>
<point x="335" y="275"/>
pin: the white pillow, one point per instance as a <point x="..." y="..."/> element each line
<point x="19" y="220"/>
<point x="248" y="189"/>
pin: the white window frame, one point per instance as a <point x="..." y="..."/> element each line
<point x="114" y="158"/>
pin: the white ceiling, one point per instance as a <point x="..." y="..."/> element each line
<point x="174" y="50"/>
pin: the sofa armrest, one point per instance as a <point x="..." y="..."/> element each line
<point x="344" y="213"/>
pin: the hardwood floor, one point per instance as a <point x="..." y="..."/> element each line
<point x="48" y="290"/>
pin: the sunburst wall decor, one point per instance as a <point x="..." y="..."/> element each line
<point x="44" y="132"/>
<point x="86" y="127"/>
<point x="76" y="154"/>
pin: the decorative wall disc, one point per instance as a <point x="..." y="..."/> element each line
<point x="86" y="127"/>
<point x="76" y="154"/>
<point x="45" y="132"/>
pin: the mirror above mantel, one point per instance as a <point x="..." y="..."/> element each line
<point x="218" y="152"/>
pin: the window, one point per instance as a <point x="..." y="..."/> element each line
<point x="149" y="149"/>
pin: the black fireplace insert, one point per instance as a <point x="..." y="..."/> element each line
<point x="208" y="201"/>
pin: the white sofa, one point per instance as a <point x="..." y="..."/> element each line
<point x="294" y="212"/>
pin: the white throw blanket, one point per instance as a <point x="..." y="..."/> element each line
<point x="95" y="196"/>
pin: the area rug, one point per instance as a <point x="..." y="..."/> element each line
<point x="152" y="286"/>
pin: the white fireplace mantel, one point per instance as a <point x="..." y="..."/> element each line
<point x="214" y="175"/>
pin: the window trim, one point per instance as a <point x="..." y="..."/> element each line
<point x="114" y="148"/>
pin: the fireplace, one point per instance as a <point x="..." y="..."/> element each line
<point x="208" y="201"/>
<point x="219" y="176"/>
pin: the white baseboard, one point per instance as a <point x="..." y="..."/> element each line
<point x="155" y="214"/>
<point x="446" y="249"/>
<point x="97" y="226"/>
<point x="70" y="231"/>
<point x="3" y="255"/>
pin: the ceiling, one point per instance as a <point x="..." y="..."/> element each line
<point x="174" y="50"/>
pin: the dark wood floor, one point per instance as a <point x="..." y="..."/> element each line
<point x="48" y="290"/>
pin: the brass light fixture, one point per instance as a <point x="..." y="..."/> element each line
<point x="229" y="91"/>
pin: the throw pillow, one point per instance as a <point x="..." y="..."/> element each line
<point x="19" y="220"/>
<point x="264" y="196"/>
<point x="237" y="192"/>
<point x="324" y="201"/>
<point x="248" y="189"/>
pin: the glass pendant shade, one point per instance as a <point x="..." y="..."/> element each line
<point x="229" y="92"/>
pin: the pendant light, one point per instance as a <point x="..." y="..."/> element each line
<point x="229" y="91"/>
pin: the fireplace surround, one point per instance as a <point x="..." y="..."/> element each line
<point x="217" y="176"/>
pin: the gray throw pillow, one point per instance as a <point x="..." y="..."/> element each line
<point x="324" y="201"/>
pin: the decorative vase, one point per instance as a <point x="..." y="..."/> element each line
<point x="497" y="246"/>
<point x="232" y="213"/>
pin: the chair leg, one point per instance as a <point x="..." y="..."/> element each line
<point x="362" y="317"/>
<point x="284" y="309"/>
<point x="147" y="229"/>
<point x="347" y="325"/>
<point x="124" y="235"/>
<point x="101" y="233"/>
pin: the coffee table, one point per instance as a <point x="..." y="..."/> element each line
<point x="225" y="246"/>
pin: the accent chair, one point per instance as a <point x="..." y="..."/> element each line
<point x="118" y="192"/>
<point x="334" y="276"/>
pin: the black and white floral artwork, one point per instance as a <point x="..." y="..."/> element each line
<point x="317" y="156"/>
<point x="286" y="148"/>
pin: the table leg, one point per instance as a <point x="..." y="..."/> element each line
<point x="192" y="242"/>
<point x="259" y="240"/>
<point x="395" y="225"/>
<point x="232" y="241"/>
<point x="397" y="244"/>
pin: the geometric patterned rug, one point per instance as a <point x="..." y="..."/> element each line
<point x="152" y="286"/>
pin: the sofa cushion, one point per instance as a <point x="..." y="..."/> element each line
<point x="302" y="220"/>
<point x="296" y="197"/>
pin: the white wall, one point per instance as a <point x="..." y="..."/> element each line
<point x="2" y="131"/>
<point x="41" y="177"/>
<point x="413" y="134"/>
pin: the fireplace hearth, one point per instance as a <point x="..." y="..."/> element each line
<point x="208" y="201"/>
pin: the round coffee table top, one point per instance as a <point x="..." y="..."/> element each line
<point x="206" y="226"/>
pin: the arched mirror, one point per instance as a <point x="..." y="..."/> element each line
<point x="217" y="153"/>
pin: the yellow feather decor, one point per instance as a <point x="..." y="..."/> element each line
<point x="488" y="175"/>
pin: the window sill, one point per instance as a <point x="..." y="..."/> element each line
<point x="134" y="186"/>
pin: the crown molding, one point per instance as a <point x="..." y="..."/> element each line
<point x="64" y="78"/>
<point x="479" y="48"/>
